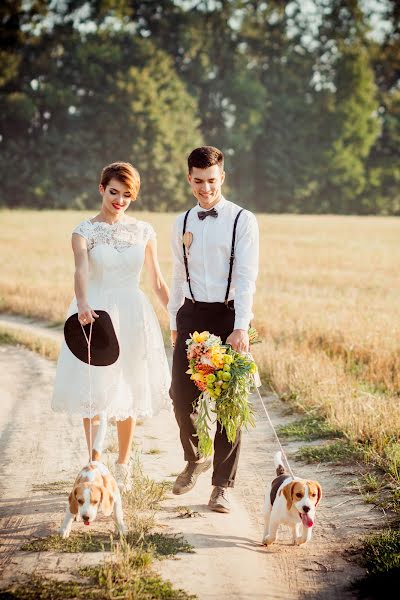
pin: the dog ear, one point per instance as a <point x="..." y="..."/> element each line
<point x="288" y="493"/>
<point x="319" y="491"/>
<point x="107" y="501"/>
<point x="73" y="503"/>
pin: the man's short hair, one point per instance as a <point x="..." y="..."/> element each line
<point x="204" y="157"/>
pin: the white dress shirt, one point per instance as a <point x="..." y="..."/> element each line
<point x="208" y="260"/>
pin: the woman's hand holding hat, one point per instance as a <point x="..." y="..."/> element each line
<point x="104" y="346"/>
<point x="86" y="315"/>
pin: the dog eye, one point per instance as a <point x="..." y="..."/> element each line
<point x="94" y="502"/>
<point x="80" y="501"/>
<point x="299" y="495"/>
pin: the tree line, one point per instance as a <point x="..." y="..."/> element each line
<point x="303" y="98"/>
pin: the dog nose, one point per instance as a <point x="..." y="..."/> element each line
<point x="85" y="517"/>
<point x="306" y="509"/>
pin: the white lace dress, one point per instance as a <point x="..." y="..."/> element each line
<point x="137" y="384"/>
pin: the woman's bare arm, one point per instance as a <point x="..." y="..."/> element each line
<point x="79" y="246"/>
<point x="157" y="280"/>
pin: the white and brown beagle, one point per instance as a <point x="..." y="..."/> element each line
<point x="94" y="488"/>
<point x="292" y="502"/>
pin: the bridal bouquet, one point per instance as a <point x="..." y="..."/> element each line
<point x="225" y="379"/>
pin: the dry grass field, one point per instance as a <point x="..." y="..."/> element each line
<point x="327" y="308"/>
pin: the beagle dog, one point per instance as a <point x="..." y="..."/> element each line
<point x="94" y="488"/>
<point x="292" y="502"/>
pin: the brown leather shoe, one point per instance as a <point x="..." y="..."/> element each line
<point x="219" y="500"/>
<point x="187" y="479"/>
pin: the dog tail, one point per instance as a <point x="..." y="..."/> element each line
<point x="280" y="469"/>
<point x="98" y="443"/>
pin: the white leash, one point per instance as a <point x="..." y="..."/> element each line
<point x="88" y="341"/>
<point x="273" y="428"/>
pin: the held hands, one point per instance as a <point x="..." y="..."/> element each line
<point x="239" y="340"/>
<point x="86" y="315"/>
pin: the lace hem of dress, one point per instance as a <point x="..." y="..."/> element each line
<point x="117" y="416"/>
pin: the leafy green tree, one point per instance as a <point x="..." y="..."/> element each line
<point x="98" y="98"/>
<point x="383" y="165"/>
<point x="283" y="154"/>
<point x="352" y="129"/>
<point x="305" y="106"/>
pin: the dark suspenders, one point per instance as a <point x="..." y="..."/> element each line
<point x="231" y="260"/>
<point x="232" y="257"/>
<point x="185" y="256"/>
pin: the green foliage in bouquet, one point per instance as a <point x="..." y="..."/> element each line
<point x="230" y="387"/>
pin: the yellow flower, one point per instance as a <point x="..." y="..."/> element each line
<point x="217" y="356"/>
<point x="189" y="371"/>
<point x="197" y="377"/>
<point x="200" y="337"/>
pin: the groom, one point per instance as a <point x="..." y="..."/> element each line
<point x="215" y="264"/>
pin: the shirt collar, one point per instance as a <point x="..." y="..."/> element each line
<point x="221" y="202"/>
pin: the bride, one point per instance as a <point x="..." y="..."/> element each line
<point x="110" y="251"/>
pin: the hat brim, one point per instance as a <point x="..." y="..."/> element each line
<point x="104" y="346"/>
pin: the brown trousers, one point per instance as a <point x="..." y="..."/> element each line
<point x="218" y="319"/>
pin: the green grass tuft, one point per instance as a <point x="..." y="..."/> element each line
<point x="130" y="573"/>
<point x="166" y="544"/>
<point x="154" y="451"/>
<point x="77" y="542"/>
<point x="380" y="552"/>
<point x="36" y="587"/>
<point x="380" y="555"/>
<point x="308" y="429"/>
<point x="337" y="452"/>
<point x="42" y="345"/>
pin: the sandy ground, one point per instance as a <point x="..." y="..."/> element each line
<point x="39" y="447"/>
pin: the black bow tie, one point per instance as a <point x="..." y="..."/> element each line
<point x="207" y="213"/>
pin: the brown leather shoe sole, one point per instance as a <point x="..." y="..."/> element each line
<point x="219" y="508"/>
<point x="178" y="490"/>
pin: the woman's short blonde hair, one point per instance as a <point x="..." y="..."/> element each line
<point x="125" y="173"/>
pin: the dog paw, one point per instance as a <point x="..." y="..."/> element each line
<point x="267" y="540"/>
<point x="64" y="533"/>
<point x="122" y="529"/>
<point x="299" y="541"/>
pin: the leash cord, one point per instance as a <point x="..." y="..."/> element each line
<point x="88" y="341"/>
<point x="273" y="428"/>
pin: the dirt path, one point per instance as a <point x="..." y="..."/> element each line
<point x="38" y="447"/>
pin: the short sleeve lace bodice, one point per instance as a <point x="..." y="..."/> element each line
<point x="131" y="386"/>
<point x="120" y="235"/>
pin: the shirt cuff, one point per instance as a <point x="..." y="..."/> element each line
<point x="172" y="323"/>
<point x="241" y="323"/>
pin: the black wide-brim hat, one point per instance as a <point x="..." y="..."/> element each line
<point x="104" y="347"/>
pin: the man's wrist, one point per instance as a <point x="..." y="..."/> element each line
<point x="242" y="325"/>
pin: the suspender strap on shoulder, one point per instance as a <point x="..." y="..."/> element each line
<point x="232" y="257"/>
<point x="185" y="255"/>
